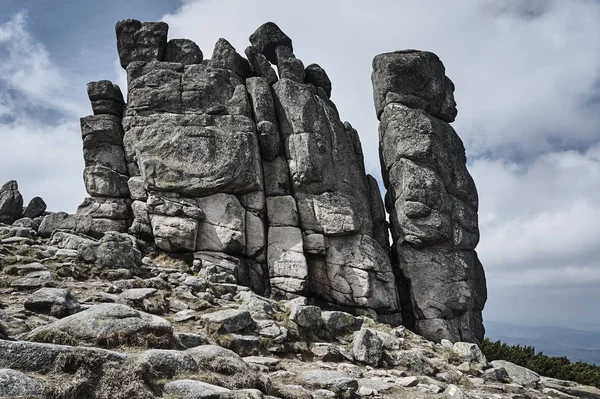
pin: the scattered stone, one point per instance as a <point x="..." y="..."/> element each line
<point x="367" y="347"/>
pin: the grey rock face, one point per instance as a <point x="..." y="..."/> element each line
<point x="35" y="208"/>
<point x="11" y="202"/>
<point x="432" y="198"/>
<point x="141" y="41"/>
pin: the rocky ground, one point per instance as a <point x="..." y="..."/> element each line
<point x="113" y="318"/>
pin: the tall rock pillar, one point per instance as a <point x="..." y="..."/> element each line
<point x="431" y="198"/>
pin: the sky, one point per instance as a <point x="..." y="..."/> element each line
<point x="527" y="76"/>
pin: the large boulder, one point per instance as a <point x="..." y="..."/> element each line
<point x="44" y="358"/>
<point x="11" y="202"/>
<point x="107" y="325"/>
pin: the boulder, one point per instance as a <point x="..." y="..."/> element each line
<point x="317" y="76"/>
<point x="106" y="98"/>
<point x="416" y="79"/>
<point x="113" y="251"/>
<point x="225" y="57"/>
<point x="518" y="374"/>
<point x="55" y="301"/>
<point x="168" y="363"/>
<point x="334" y="381"/>
<point x="35" y="208"/>
<point x="11" y="202"/>
<point x="306" y="316"/>
<point x="183" y="51"/>
<point x="367" y="347"/>
<point x="44" y="358"/>
<point x="192" y="389"/>
<point x="107" y="325"/>
<point x="218" y="359"/>
<point x="141" y="41"/>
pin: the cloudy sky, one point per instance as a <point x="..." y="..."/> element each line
<point x="527" y="75"/>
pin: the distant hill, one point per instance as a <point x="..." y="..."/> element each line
<point x="577" y="345"/>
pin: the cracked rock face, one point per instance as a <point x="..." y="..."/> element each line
<point x="431" y="198"/>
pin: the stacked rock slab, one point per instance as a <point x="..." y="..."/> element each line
<point x="250" y="170"/>
<point x="431" y="198"/>
<point x="105" y="174"/>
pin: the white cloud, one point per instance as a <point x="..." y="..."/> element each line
<point x="39" y="113"/>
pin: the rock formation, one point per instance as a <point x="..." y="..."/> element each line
<point x="251" y="171"/>
<point x="244" y="165"/>
<point x="431" y="198"/>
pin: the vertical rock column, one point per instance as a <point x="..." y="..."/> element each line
<point x="431" y="198"/>
<point x="321" y="229"/>
<point x="105" y="174"/>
